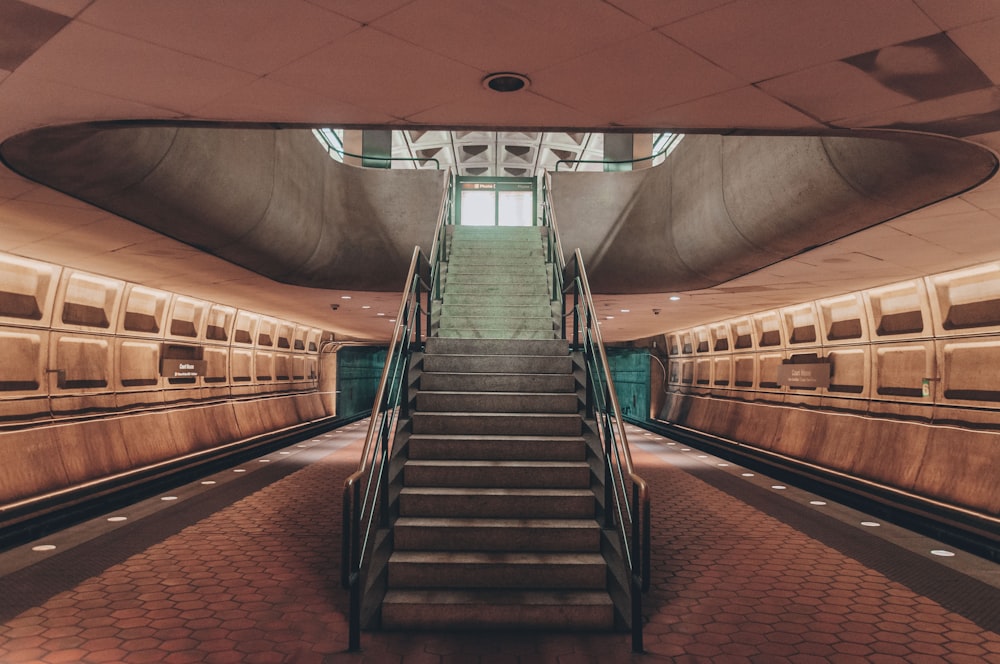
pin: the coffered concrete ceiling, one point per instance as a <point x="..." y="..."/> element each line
<point x="744" y="66"/>
<point x="499" y="153"/>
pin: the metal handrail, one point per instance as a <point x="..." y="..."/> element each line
<point x="666" y="148"/>
<point x="439" y="244"/>
<point x="602" y="403"/>
<point x="344" y="153"/>
<point x="554" y="249"/>
<point x="413" y="325"/>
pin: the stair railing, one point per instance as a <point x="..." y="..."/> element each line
<point x="553" y="246"/>
<point x="630" y="514"/>
<point x="626" y="498"/>
<point x="439" y="245"/>
<point x="366" y="491"/>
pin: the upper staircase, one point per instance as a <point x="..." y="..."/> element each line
<point x="496" y="285"/>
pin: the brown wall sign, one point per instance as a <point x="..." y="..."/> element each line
<point x="182" y="368"/>
<point x="804" y="375"/>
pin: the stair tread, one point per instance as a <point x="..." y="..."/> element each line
<point x="495" y="491"/>
<point x="491" y="463"/>
<point x="505" y="356"/>
<point x="499" y="597"/>
<point x="497" y="393"/>
<point x="465" y="413"/>
<point x="473" y="522"/>
<point x="498" y="557"/>
<point x="456" y="437"/>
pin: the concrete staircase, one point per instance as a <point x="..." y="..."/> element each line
<point x="496" y="525"/>
<point x="496" y="285"/>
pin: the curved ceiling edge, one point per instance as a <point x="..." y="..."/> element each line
<point x="767" y="199"/>
<point x="268" y="200"/>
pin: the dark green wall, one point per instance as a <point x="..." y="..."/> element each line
<point x="630" y="372"/>
<point x="359" y="369"/>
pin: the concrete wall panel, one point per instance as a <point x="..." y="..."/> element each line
<point x="39" y="466"/>
<point x="939" y="438"/>
<point x="75" y="344"/>
<point x="961" y="467"/>
<point x="26" y="291"/>
<point x="91" y="449"/>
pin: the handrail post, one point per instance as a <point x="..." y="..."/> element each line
<point x="587" y="354"/>
<point x="354" y="627"/>
<point x="609" y="514"/>
<point x="427" y="329"/>
<point x="404" y="388"/>
<point x="562" y="315"/>
<point x="576" y="314"/>
<point x="384" y="474"/>
<point x="417" y="282"/>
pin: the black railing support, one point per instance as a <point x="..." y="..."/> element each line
<point x="367" y="489"/>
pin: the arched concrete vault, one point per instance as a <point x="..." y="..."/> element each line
<point x="270" y="200"/>
<point x="721" y="207"/>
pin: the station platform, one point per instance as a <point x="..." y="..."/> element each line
<point x="243" y="566"/>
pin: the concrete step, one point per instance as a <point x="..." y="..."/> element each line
<point x="467" y="570"/>
<point x="444" y="534"/>
<point x="514" y="424"/>
<point x="485" y="308"/>
<point x="487" y="287"/>
<point x="458" y="333"/>
<point x="437" y="346"/>
<point x="487" y="274"/>
<point x="479" y="382"/>
<point x="452" y="321"/>
<point x="498" y="298"/>
<point x="511" y="503"/>
<point x="527" y="255"/>
<point x="497" y="609"/>
<point x="497" y="402"/>
<point x="497" y="474"/>
<point x="509" y="266"/>
<point x="455" y="363"/>
<point x="533" y="251"/>
<point x="538" y="448"/>
<point x="496" y="231"/>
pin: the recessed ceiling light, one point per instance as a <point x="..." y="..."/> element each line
<point x="674" y="298"/>
<point x="609" y="318"/>
<point x="380" y="314"/>
<point x="345" y="297"/>
<point x="506" y="81"/>
<point x="625" y="311"/>
<point x="366" y="306"/>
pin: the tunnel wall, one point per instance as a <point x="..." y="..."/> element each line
<point x="82" y="393"/>
<point x="874" y="420"/>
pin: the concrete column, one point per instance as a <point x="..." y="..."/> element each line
<point x="376" y="143"/>
<point x="353" y="144"/>
<point x="642" y="147"/>
<point x="618" y="147"/>
<point x="328" y="381"/>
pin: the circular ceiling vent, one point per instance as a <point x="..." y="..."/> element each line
<point x="506" y="81"/>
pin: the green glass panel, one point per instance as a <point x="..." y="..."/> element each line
<point x="359" y="369"/>
<point x="630" y="373"/>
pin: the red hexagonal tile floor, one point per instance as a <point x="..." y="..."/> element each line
<point x="258" y="581"/>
